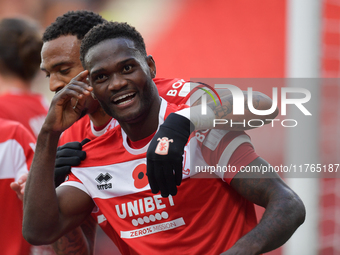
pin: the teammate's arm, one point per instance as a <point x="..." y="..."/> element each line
<point x="284" y="212"/>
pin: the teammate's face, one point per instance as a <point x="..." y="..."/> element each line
<point x="121" y="79"/>
<point x="60" y="62"/>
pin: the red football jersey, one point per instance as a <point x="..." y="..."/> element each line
<point x="16" y="154"/>
<point x="206" y="216"/>
<point x="174" y="90"/>
<point x="28" y="109"/>
<point x="84" y="128"/>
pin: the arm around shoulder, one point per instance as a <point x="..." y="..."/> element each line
<point x="284" y="213"/>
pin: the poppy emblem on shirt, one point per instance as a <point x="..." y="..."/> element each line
<point x="163" y="145"/>
<point x="139" y="176"/>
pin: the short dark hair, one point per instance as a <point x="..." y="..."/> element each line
<point x="76" y="23"/>
<point x="20" y="47"/>
<point x="111" y="30"/>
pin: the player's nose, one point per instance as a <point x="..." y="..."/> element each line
<point x="56" y="84"/>
<point x="117" y="82"/>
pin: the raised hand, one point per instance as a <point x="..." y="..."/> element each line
<point x="67" y="105"/>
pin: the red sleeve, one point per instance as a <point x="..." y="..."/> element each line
<point x="175" y="91"/>
<point x="241" y="157"/>
<point x="218" y="145"/>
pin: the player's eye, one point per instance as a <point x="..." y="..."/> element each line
<point x="127" y="68"/>
<point x="100" y="78"/>
<point x="65" y="71"/>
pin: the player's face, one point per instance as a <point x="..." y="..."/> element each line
<point x="60" y="62"/>
<point x="121" y="79"/>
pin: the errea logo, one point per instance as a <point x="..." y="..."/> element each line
<point x="104" y="178"/>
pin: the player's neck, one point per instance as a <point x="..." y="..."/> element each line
<point x="99" y="118"/>
<point x="147" y="124"/>
<point x="13" y="84"/>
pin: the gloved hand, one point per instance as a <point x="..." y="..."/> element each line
<point x="165" y="155"/>
<point x="68" y="155"/>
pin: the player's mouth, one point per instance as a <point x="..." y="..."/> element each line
<point x="124" y="99"/>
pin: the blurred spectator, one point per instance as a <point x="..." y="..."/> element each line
<point x="20" y="46"/>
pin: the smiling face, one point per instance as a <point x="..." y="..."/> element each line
<point x="121" y="79"/>
<point x="60" y="61"/>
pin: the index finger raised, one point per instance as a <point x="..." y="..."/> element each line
<point x="81" y="76"/>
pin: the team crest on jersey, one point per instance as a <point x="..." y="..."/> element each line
<point x="163" y="145"/>
<point x="104" y="178"/>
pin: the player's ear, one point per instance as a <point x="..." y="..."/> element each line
<point x="152" y="66"/>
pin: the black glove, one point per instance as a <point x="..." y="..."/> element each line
<point x="165" y="155"/>
<point x="69" y="154"/>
